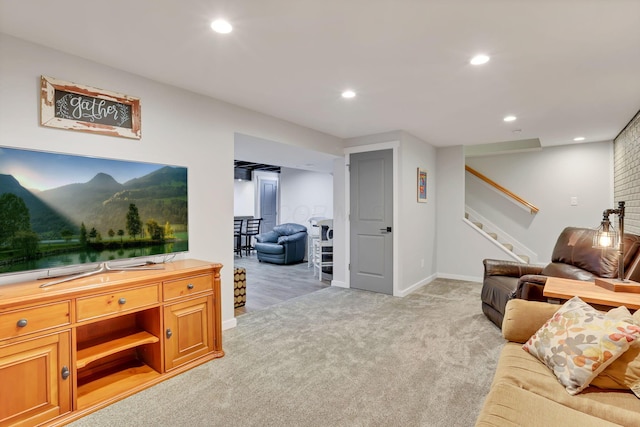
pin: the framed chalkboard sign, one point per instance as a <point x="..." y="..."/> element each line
<point x="72" y="106"/>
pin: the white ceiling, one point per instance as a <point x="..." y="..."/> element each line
<point x="259" y="150"/>
<point x="565" y="68"/>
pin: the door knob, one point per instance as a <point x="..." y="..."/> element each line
<point x="386" y="230"/>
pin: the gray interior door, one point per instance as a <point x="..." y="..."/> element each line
<point x="371" y="241"/>
<point x="268" y="204"/>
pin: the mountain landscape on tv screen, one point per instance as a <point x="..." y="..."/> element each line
<point x="45" y="221"/>
<point x="59" y="210"/>
<point x="102" y="203"/>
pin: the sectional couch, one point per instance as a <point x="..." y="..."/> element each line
<point x="525" y="392"/>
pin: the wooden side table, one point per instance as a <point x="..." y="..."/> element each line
<point x="588" y="291"/>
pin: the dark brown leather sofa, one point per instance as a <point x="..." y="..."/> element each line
<point x="573" y="257"/>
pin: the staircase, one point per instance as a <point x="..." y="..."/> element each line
<point x="508" y="244"/>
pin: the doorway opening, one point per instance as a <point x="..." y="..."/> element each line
<point x="287" y="185"/>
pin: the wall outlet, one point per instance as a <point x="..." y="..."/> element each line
<point x="422" y="263"/>
<point x="574" y="201"/>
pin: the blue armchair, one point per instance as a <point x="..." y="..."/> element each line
<point x="286" y="244"/>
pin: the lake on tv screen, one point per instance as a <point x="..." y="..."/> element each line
<point x="87" y="257"/>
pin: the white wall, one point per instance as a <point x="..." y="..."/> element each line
<point x="460" y="248"/>
<point x="548" y="178"/>
<point x="417" y="248"/>
<point x="243" y="198"/>
<point x="304" y="194"/>
<point x="178" y="127"/>
<point x="184" y="128"/>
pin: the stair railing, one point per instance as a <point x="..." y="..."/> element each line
<point x="503" y="190"/>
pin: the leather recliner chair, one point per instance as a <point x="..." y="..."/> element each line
<point x="285" y="244"/>
<point x="573" y="257"/>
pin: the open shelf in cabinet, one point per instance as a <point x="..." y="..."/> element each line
<point x="115" y="380"/>
<point x="113" y="345"/>
<point x="115" y="355"/>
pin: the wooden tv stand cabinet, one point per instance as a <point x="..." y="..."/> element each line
<point x="72" y="348"/>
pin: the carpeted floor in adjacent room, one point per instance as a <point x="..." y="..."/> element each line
<point x="336" y="357"/>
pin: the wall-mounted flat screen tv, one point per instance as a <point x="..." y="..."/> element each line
<point x="63" y="214"/>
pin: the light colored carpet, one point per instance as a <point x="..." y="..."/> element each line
<point x="336" y="357"/>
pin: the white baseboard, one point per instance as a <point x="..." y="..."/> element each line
<point x="339" y="284"/>
<point x="416" y="286"/>
<point x="421" y="283"/>
<point x="228" y="324"/>
<point x="459" y="277"/>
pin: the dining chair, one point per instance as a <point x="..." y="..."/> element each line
<point x="237" y="236"/>
<point x="252" y="229"/>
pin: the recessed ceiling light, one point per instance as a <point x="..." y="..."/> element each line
<point x="479" y="60"/>
<point x="221" y="26"/>
<point x="579" y="138"/>
<point x="348" y="94"/>
<point x="509" y="118"/>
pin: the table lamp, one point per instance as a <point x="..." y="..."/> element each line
<point x="606" y="237"/>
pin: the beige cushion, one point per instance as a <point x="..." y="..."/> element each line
<point x="624" y="372"/>
<point x="579" y="342"/>
<point x="523" y="318"/>
<point x="539" y="390"/>
<point x="510" y="406"/>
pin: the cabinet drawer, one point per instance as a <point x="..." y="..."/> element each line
<point x="188" y="286"/>
<point x="28" y="320"/>
<point x="116" y="302"/>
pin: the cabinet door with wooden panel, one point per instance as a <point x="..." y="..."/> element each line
<point x="189" y="331"/>
<point x="35" y="380"/>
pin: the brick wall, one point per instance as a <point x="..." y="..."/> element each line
<point x="626" y="167"/>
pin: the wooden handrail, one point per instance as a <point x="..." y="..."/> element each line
<point x="502" y="189"/>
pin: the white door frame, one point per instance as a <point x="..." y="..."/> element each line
<point x="394" y="146"/>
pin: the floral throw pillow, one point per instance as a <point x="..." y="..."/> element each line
<point x="579" y="342"/>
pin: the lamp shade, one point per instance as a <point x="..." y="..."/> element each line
<point x="606" y="237"/>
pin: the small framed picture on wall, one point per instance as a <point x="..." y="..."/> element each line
<point x="422" y="186"/>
